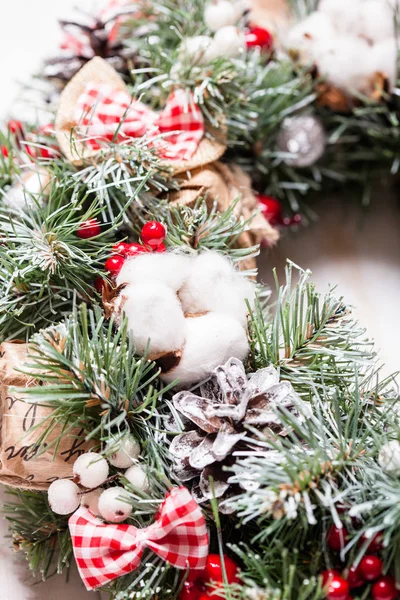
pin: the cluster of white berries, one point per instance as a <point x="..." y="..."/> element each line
<point x="221" y="17"/>
<point x="389" y="458"/>
<point x="349" y="41"/>
<point x="191" y="306"/>
<point x="91" y="471"/>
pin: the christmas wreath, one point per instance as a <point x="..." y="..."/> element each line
<point x="167" y="424"/>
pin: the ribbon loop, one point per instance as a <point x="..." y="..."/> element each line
<point x="104" y="551"/>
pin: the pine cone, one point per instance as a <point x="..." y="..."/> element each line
<point x="93" y="36"/>
<point x="228" y="407"/>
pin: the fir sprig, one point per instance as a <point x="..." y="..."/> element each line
<point x="38" y="532"/>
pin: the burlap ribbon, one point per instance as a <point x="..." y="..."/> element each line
<point x="98" y="71"/>
<point x="24" y="463"/>
<point x="222" y="183"/>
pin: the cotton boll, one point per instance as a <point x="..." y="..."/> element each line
<point x="127" y="452"/>
<point x="210" y="341"/>
<point x="138" y="478"/>
<point x="345" y="62"/>
<point x="63" y="495"/>
<point x="214" y="285"/>
<point x="344" y="15"/>
<point x="220" y="13"/>
<point x="114" y="505"/>
<point x="154" y="313"/>
<point x="90" y="469"/>
<point x="229" y="41"/>
<point x="303" y="36"/>
<point x="384" y="59"/>
<point x="199" y="50"/>
<point x="167" y="267"/>
<point x="377" y="21"/>
<point x="91" y="501"/>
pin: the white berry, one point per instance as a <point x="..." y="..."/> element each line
<point x="220" y="13"/>
<point x="229" y="41"/>
<point x="199" y="49"/>
<point x="90" y="470"/>
<point x="63" y="495"/>
<point x="91" y="501"/>
<point x="114" y="505"/>
<point x="138" y="478"/>
<point x="127" y="453"/>
<point x="389" y="457"/>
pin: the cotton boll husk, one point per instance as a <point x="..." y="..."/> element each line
<point x="219" y="14"/>
<point x="199" y="49"/>
<point x="377" y="21"/>
<point x="210" y="341"/>
<point x="154" y="313"/>
<point x="344" y="15"/>
<point x="304" y="35"/>
<point x="345" y="62"/>
<point x="229" y="41"/>
<point x="214" y="285"/>
<point x="384" y="59"/>
<point x="164" y="267"/>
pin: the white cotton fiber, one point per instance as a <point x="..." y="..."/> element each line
<point x="167" y="268"/>
<point x="304" y="35"/>
<point x="345" y="62"/>
<point x="154" y="313"/>
<point x="344" y="15"/>
<point x="210" y="341"/>
<point x="377" y="21"/>
<point x="384" y="59"/>
<point x="214" y="285"/>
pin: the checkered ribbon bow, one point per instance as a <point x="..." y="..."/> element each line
<point x="106" y="114"/>
<point x="104" y="551"/>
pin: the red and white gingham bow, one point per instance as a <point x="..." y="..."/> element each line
<point x="106" y="114"/>
<point x="104" y="552"/>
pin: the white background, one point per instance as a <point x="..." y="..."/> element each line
<point x="358" y="252"/>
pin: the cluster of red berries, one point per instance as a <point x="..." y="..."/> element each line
<point x="17" y="130"/>
<point x="368" y="571"/>
<point x="203" y="585"/>
<point x="271" y="208"/>
<point x="257" y="37"/>
<point x="152" y="235"/>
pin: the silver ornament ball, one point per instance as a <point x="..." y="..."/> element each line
<point x="304" y="138"/>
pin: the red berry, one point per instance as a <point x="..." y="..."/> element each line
<point x="99" y="284"/>
<point x="385" y="589"/>
<point x="135" y="249"/>
<point x="190" y="591"/>
<point x="30" y="151"/>
<point x="4" y="151"/>
<point x="88" y="229"/>
<point x="214" y="571"/>
<point x="337" y="538"/>
<point x="16" y="127"/>
<point x="120" y="248"/>
<point x="336" y="587"/>
<point x="355" y="577"/>
<point x="161" y="248"/>
<point x="46" y="152"/>
<point x="371" y="567"/>
<point x="114" y="264"/>
<point x="375" y="544"/>
<point x="271" y="209"/>
<point x="257" y="37"/>
<point x="153" y="233"/>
